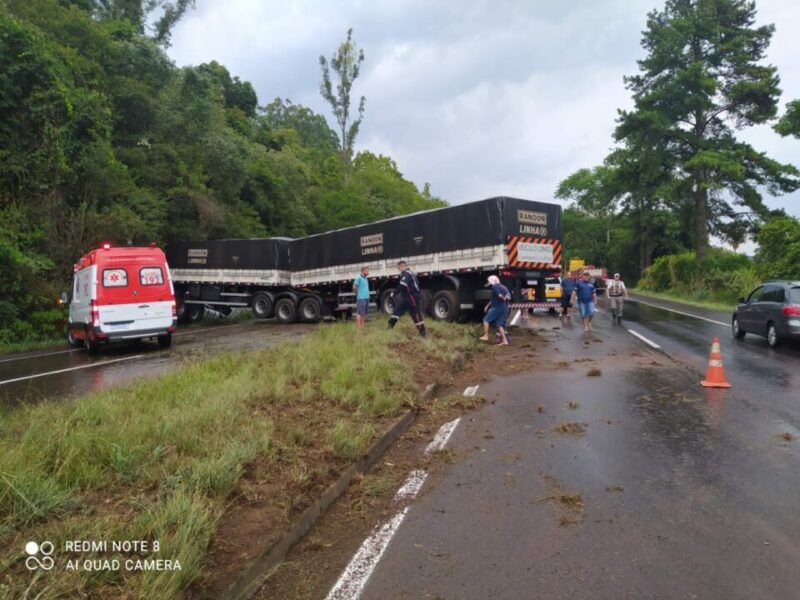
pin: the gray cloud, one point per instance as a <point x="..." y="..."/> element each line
<point x="477" y="98"/>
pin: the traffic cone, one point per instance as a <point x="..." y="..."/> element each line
<point x="715" y="374"/>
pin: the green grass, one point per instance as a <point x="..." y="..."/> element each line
<point x="26" y="346"/>
<point x="700" y="299"/>
<point x="158" y="459"/>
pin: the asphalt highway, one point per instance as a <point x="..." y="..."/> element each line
<point x="63" y="372"/>
<point x="665" y="489"/>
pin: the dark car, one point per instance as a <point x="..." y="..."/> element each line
<point x="771" y="310"/>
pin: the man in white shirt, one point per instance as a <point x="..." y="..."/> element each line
<point x="617" y="294"/>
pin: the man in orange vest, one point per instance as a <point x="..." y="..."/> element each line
<point x="617" y="294"/>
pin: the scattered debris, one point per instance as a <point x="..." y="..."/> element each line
<point x="615" y="488"/>
<point x="540" y="409"/>
<point x="787" y="436"/>
<point x="594" y="372"/>
<point x="573" y="405"/>
<point x="570" y="428"/>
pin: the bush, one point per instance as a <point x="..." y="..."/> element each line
<point x="724" y="277"/>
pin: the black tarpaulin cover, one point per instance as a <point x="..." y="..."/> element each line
<point x="254" y="254"/>
<point x="472" y="225"/>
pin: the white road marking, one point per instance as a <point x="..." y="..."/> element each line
<point x="32" y="356"/>
<point x="680" y="312"/>
<point x="515" y="320"/>
<point x="89" y="366"/>
<point x="412" y="486"/>
<point x="353" y="579"/>
<point x="442" y="436"/>
<point x="470" y="391"/>
<point x="644" y="339"/>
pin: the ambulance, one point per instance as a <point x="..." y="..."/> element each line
<point x="121" y="293"/>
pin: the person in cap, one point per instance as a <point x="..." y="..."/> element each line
<point x="497" y="310"/>
<point x="586" y="295"/>
<point x="616" y="294"/>
<point x="407" y="298"/>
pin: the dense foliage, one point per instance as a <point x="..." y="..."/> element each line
<point x="678" y="173"/>
<point x="102" y="137"/>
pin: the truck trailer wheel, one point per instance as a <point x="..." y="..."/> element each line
<point x="286" y="311"/>
<point x="189" y="313"/>
<point x="71" y="339"/>
<point x="427" y="301"/>
<point x="387" y="303"/>
<point x="262" y="305"/>
<point x="310" y="310"/>
<point x="445" y="306"/>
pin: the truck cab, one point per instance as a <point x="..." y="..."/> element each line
<point x="121" y="293"/>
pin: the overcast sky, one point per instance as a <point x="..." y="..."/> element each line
<point x="479" y="98"/>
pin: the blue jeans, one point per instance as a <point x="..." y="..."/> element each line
<point x="586" y="309"/>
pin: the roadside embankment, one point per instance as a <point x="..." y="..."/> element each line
<point x="240" y="439"/>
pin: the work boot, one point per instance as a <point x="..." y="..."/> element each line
<point x="392" y="322"/>
<point x="422" y="330"/>
<point x="619" y="320"/>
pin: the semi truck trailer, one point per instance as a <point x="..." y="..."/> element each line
<point x="452" y="249"/>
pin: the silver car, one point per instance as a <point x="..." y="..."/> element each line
<point x="771" y="310"/>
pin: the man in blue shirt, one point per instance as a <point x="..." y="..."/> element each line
<point x="496" y="310"/>
<point x="361" y="288"/>
<point x="587" y="297"/>
<point x="567" y="286"/>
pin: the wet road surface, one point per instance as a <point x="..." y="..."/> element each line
<point x="672" y="490"/>
<point x="33" y="376"/>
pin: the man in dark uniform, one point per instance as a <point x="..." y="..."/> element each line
<point x="407" y="298"/>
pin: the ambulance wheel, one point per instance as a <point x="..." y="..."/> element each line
<point x="71" y="339"/>
<point x="446" y="306"/>
<point x="427" y="301"/>
<point x="165" y="341"/>
<point x="91" y="343"/>
<point x="310" y="310"/>
<point x="387" y="303"/>
<point x="286" y="311"/>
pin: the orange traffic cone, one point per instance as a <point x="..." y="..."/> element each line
<point x="715" y="374"/>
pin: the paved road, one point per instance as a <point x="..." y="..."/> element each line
<point x="672" y="491"/>
<point x="56" y="373"/>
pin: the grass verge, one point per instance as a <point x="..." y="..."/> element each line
<point x="684" y="299"/>
<point x="160" y="460"/>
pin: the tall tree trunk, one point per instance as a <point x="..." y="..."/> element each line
<point x="701" y="216"/>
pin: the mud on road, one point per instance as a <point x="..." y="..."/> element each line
<point x="632" y="483"/>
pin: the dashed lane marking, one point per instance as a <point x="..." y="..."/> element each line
<point x="680" y="312"/>
<point x="353" y="579"/>
<point x="442" y="436"/>
<point x="89" y="366"/>
<point x="644" y="339"/>
<point x="412" y="486"/>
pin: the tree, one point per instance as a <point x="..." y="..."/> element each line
<point x="702" y="79"/>
<point x="779" y="248"/>
<point x="790" y="122"/>
<point x="595" y="194"/>
<point x="346" y="63"/>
